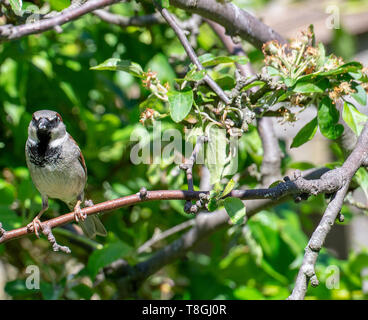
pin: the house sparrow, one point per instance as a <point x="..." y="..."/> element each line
<point x="58" y="169"/>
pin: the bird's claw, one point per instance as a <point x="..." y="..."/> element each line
<point x="78" y="214"/>
<point x="34" y="226"/>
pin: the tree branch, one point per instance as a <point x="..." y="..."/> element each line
<point x="271" y="163"/>
<point x="165" y="234"/>
<point x="191" y="54"/>
<point x="329" y="182"/>
<point x="138" y="21"/>
<point x="236" y="21"/>
<point x="307" y="271"/>
<point x="232" y="48"/>
<point x="11" y="32"/>
<point x="188" y="167"/>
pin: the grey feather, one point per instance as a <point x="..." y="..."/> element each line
<point x="93" y="226"/>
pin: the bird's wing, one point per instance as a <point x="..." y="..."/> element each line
<point x="80" y="157"/>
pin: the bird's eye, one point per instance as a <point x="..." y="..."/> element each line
<point x="59" y="117"/>
<point x="54" y="122"/>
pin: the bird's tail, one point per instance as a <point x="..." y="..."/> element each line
<point x="92" y="226"/>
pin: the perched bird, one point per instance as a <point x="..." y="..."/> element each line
<point x="58" y="169"/>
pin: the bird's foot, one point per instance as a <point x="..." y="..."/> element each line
<point x="2" y="231"/>
<point x="88" y="203"/>
<point x="35" y="226"/>
<point x="78" y="214"/>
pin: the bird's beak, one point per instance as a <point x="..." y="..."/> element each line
<point x="42" y="124"/>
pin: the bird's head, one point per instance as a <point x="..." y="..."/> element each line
<point x="46" y="126"/>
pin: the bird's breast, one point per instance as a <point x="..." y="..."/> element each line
<point x="56" y="175"/>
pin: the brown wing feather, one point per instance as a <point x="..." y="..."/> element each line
<point x="80" y="158"/>
<point x="82" y="162"/>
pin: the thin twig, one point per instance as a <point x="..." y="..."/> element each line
<point x="165" y="234"/>
<point x="188" y="167"/>
<point x="10" y="32"/>
<point x="46" y="230"/>
<point x="359" y="205"/>
<point x="137" y="21"/>
<point x="271" y="163"/>
<point x="79" y="239"/>
<point x="234" y="49"/>
<point x="190" y="52"/>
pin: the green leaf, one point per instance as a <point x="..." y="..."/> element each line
<point x="212" y="204"/>
<point x="361" y="177"/>
<point x="164" y="3"/>
<point x="153" y="102"/>
<point x="301" y="165"/>
<point x="235" y="208"/>
<point x="256" y="83"/>
<point x="115" y="64"/>
<point x="345" y="68"/>
<point x="321" y="56"/>
<point x="80" y="291"/>
<point x="215" y="156"/>
<point x="275" y="183"/>
<point x="273" y="72"/>
<point x="305" y="134"/>
<point x="50" y="291"/>
<point x="264" y="228"/>
<point x="16" y="6"/>
<point x="59" y="5"/>
<point x="291" y="231"/>
<point x="360" y="95"/>
<point x="309" y="87"/>
<point x="285" y="95"/>
<point x="101" y="258"/>
<point x="328" y="116"/>
<point x="17" y="288"/>
<point x="270" y="270"/>
<point x="353" y="118"/>
<point x="229" y="187"/>
<point x="195" y="75"/>
<point x="180" y="103"/>
<point x="350" y="67"/>
<point x="306" y="87"/>
<point x="289" y="82"/>
<point x="224" y="59"/>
